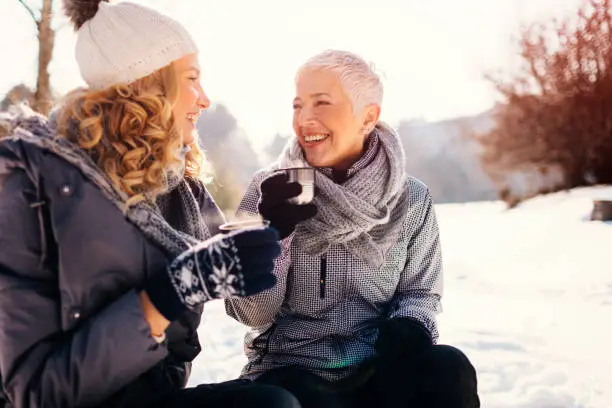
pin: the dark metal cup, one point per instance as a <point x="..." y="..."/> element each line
<point x="243" y="224"/>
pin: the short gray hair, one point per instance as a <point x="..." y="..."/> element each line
<point x="362" y="85"/>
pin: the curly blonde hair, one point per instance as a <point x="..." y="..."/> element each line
<point x="128" y="129"/>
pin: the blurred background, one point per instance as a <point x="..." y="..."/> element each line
<point x="504" y="108"/>
<point x="491" y="98"/>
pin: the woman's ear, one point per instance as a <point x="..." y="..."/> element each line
<point x="371" y="114"/>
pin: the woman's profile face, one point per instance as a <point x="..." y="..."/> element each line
<point x="191" y="98"/>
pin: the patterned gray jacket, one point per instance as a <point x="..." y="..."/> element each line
<point x="323" y="313"/>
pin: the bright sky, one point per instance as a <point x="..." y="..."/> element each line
<point x="432" y="54"/>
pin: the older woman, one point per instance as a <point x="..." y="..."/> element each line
<point x="352" y="320"/>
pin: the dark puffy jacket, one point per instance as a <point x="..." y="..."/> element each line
<point x="72" y="332"/>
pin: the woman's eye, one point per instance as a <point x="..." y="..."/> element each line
<point x="295" y="106"/>
<point x="318" y="103"/>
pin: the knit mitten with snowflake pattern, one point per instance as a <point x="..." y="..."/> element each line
<point x="234" y="265"/>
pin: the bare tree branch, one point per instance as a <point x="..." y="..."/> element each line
<point x="23" y="3"/>
<point x="46" y="39"/>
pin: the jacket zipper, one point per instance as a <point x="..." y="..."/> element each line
<point x="323" y="277"/>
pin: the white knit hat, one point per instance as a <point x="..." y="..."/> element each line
<point x="123" y="42"/>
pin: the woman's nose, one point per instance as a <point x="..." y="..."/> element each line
<point x="305" y="117"/>
<point x="203" y="101"/>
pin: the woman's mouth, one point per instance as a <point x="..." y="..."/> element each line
<point x="193" y="118"/>
<point x="315" y="138"/>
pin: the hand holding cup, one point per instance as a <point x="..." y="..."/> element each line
<point x="286" y="199"/>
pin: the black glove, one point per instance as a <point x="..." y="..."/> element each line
<point x="402" y="337"/>
<point x="402" y="347"/>
<point x="273" y="205"/>
<point x="402" y="344"/>
<point x="238" y="264"/>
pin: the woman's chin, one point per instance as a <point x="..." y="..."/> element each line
<point x="189" y="138"/>
<point x="318" y="161"/>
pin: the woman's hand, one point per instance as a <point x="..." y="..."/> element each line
<point x="273" y="205"/>
<point x="157" y="322"/>
<point x="238" y="264"/>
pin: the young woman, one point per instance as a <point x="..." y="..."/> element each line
<point x="107" y="234"/>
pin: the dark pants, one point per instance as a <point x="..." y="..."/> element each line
<point x="231" y="394"/>
<point x="444" y="379"/>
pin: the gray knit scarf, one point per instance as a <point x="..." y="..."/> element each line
<point x="146" y="215"/>
<point x="364" y="214"/>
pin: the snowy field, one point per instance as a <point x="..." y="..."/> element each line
<point x="528" y="296"/>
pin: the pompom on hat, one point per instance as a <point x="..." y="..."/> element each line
<point x="123" y="42"/>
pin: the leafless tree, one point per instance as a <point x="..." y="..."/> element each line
<point x="46" y="38"/>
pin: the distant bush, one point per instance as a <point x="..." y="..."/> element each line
<point x="554" y="127"/>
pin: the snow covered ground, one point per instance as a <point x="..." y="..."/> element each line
<point x="528" y="296"/>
